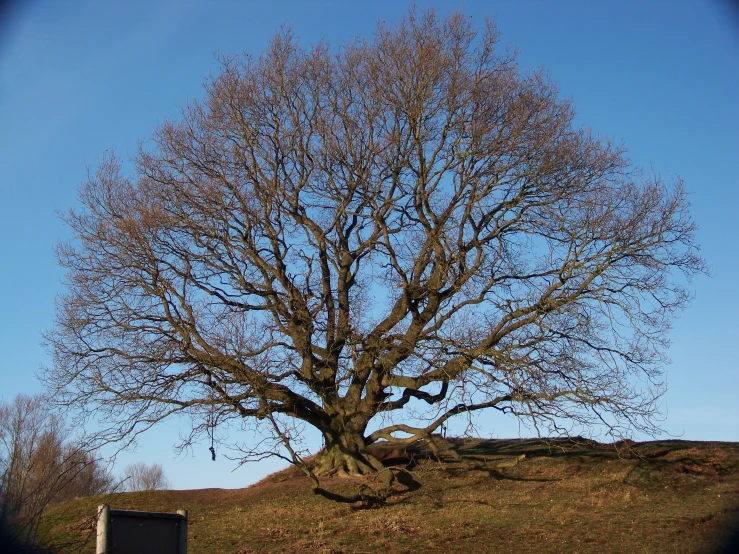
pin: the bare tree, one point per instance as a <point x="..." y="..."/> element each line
<point x="371" y="240"/>
<point x="41" y="463"/>
<point x="140" y="476"/>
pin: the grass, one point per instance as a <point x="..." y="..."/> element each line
<point x="663" y="496"/>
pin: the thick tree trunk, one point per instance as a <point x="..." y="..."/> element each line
<point x="345" y="454"/>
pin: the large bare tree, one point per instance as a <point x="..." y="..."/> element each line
<point x="371" y="240"/>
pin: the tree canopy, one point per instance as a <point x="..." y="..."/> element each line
<point x="370" y="240"/>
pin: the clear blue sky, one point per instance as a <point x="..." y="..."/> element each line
<point x="80" y="77"/>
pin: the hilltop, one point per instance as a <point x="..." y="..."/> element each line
<point x="481" y="496"/>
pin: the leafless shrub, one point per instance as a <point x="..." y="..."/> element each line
<point x="41" y="463"/>
<point x="140" y="476"/>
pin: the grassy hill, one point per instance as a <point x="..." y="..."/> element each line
<point x="664" y="496"/>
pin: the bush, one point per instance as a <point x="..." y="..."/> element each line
<point x="142" y="477"/>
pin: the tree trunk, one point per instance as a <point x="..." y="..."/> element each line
<point x="345" y="453"/>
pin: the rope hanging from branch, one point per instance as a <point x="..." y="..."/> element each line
<point x="211" y="432"/>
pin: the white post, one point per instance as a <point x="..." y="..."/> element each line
<point x="102" y="529"/>
<point x="183" y="532"/>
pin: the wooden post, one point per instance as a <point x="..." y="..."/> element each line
<point x="102" y="529"/>
<point x="183" y="532"/>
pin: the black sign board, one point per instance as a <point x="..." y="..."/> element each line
<point x="129" y="532"/>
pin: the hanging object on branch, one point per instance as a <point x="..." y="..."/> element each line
<point x="211" y="432"/>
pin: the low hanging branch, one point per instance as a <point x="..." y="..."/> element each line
<point x="383" y="235"/>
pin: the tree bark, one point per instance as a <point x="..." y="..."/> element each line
<point x="345" y="453"/>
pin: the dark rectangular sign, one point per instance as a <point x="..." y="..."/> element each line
<point x="131" y="532"/>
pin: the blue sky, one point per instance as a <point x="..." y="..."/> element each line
<point x="78" y="78"/>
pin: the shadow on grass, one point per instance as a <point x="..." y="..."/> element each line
<point x="728" y="541"/>
<point x="653" y="454"/>
<point x="534" y="448"/>
<point x="494" y="473"/>
<point x="649" y="465"/>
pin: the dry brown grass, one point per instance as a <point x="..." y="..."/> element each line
<point x="666" y="496"/>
